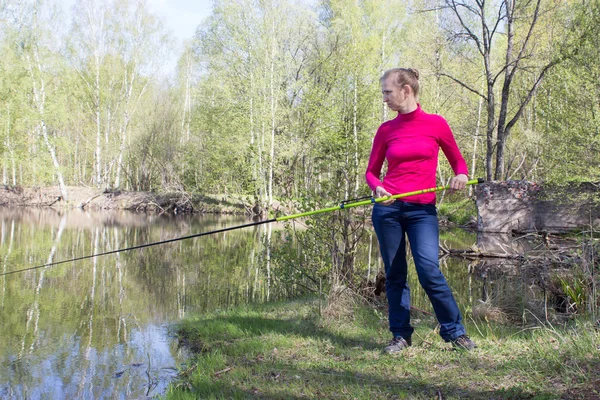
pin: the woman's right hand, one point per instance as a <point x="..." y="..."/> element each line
<point x="381" y="192"/>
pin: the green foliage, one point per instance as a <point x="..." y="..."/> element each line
<point x="460" y="212"/>
<point x="273" y="100"/>
<point x="576" y="289"/>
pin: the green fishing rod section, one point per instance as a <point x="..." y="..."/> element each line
<point x="371" y="200"/>
<point x="341" y="206"/>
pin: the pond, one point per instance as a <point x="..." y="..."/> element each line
<point x="99" y="328"/>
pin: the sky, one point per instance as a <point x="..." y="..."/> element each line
<point x="181" y="17"/>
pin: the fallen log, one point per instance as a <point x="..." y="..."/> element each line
<point x="86" y="202"/>
<point x="472" y="253"/>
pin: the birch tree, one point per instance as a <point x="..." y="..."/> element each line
<point x="143" y="45"/>
<point x="117" y="48"/>
<point x="253" y="51"/>
<point x="33" y="42"/>
<point x="88" y="48"/>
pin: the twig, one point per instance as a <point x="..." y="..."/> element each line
<point x="421" y="311"/>
<point x="189" y="370"/>
<point x="526" y="329"/>
<point x="59" y="198"/>
<point x="218" y="373"/>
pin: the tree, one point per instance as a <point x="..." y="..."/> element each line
<point x="33" y="40"/>
<point x="90" y="40"/>
<point x="117" y="48"/>
<point x="521" y="24"/>
<point x="567" y="109"/>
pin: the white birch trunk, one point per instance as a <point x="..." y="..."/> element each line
<point x="268" y="254"/>
<point x="273" y="111"/>
<point x="187" y="102"/>
<point x="355" y="137"/>
<point x="475" y="140"/>
<point x="384" y="112"/>
<point x="98" y="152"/>
<point x="39" y="95"/>
<point x="129" y="111"/>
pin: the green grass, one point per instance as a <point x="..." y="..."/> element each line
<point x="287" y="351"/>
<point x="460" y="212"/>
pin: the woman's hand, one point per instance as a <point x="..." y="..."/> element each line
<point x="381" y="192"/>
<point x="459" y="182"/>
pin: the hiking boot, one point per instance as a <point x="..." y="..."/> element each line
<point x="397" y="344"/>
<point x="463" y="342"/>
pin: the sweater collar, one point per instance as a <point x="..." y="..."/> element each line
<point x="411" y="115"/>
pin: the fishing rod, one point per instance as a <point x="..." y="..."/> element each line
<point x="342" y="206"/>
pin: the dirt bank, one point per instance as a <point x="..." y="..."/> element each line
<point x="98" y="199"/>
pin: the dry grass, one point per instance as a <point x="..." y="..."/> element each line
<point x="486" y="311"/>
<point x="341" y="303"/>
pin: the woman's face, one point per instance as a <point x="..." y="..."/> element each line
<point x="396" y="97"/>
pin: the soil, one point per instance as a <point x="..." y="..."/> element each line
<point x="98" y="199"/>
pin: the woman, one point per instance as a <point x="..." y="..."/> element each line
<point x="410" y="143"/>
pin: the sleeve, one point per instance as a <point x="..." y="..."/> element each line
<point x="451" y="150"/>
<point x="376" y="160"/>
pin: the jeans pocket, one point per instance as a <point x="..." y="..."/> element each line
<point x="430" y="209"/>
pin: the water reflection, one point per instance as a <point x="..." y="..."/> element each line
<point x="97" y="328"/>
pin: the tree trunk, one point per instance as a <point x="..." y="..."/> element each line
<point x="268" y="258"/>
<point x="489" y="155"/>
<point x="98" y="152"/>
<point x="508" y="76"/>
<point x="39" y="95"/>
<point x="355" y="136"/>
<point x="475" y="140"/>
<point x="273" y="110"/>
<point x="187" y="103"/>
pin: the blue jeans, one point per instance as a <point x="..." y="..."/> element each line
<point x="419" y="223"/>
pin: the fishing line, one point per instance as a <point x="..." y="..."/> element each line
<point x="342" y="206"/>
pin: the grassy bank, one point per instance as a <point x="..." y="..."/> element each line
<point x="292" y="351"/>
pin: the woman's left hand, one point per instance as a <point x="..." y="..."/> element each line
<point x="459" y="182"/>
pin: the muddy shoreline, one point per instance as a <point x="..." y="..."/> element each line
<point x="98" y="199"/>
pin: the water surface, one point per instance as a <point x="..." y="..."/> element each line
<point x="99" y="328"/>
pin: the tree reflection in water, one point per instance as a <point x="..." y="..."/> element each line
<point x="99" y="328"/>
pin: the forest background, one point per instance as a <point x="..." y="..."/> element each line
<point x="281" y="99"/>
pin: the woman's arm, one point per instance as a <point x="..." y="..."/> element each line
<point x="376" y="160"/>
<point x="455" y="158"/>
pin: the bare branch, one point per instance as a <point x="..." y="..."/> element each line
<point x="464" y="85"/>
<point x="426" y="10"/>
<point x="471" y="9"/>
<point x="465" y="27"/>
<point x="498" y="20"/>
<point x="527" y="37"/>
<point x="510" y="64"/>
<point x="532" y="91"/>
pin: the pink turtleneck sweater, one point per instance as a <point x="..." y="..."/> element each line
<point x="411" y="142"/>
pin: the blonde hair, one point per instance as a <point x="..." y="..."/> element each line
<point x="403" y="76"/>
